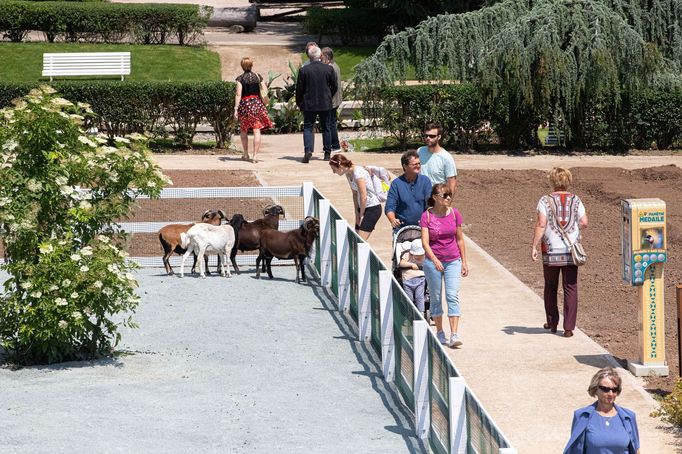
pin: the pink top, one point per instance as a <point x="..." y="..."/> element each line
<point x="442" y="230"/>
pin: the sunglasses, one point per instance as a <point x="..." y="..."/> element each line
<point x="430" y="136"/>
<point x="447" y="195"/>
<point x="606" y="389"/>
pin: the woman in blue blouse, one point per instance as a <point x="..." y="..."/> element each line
<point x="604" y="427"/>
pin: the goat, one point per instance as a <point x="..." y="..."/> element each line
<point x="202" y="238"/>
<point x="249" y="235"/>
<point x="169" y="236"/>
<point x="294" y="244"/>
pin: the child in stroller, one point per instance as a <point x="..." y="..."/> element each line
<point x="408" y="260"/>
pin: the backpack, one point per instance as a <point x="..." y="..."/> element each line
<point x="381" y="181"/>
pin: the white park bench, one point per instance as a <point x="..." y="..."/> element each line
<point x="86" y="64"/>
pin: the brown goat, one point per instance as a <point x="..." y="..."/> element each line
<point x="294" y="244"/>
<point x="169" y="236"/>
<point x="249" y="235"/>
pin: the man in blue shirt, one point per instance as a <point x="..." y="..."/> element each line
<point x="407" y="197"/>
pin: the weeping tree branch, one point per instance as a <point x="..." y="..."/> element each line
<point x="554" y="59"/>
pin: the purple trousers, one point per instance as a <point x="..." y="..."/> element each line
<point x="569" y="282"/>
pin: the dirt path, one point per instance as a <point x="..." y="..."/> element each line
<point x="266" y="59"/>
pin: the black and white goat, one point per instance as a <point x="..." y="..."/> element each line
<point x="203" y="238"/>
<point x="294" y="244"/>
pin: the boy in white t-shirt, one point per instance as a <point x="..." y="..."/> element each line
<point x="414" y="282"/>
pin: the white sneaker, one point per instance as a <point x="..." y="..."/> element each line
<point x="455" y="341"/>
<point x="440" y="335"/>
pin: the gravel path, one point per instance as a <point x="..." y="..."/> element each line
<point x="217" y="365"/>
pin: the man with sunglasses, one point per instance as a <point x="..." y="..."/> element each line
<point x="408" y="194"/>
<point x="437" y="164"/>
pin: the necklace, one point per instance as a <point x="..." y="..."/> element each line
<point x="607" y="419"/>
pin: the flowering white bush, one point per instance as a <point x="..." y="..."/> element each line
<point x="70" y="286"/>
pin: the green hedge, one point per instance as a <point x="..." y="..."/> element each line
<point x="405" y="110"/>
<point x="125" y="107"/>
<point x="654" y="118"/>
<point x="352" y="26"/>
<point x="645" y="119"/>
<point x="103" y="22"/>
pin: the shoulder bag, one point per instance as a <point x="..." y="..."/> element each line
<point x="577" y="250"/>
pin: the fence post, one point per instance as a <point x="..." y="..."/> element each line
<point x="343" y="280"/>
<point x="422" y="410"/>
<point x="308" y="208"/>
<point x="325" y="243"/>
<point x="679" y="328"/>
<point x="386" y="317"/>
<point x="364" y="282"/>
<point x="457" y="406"/>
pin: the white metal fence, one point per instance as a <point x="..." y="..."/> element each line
<point x="447" y="412"/>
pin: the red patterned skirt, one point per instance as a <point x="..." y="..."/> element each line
<point x="252" y="114"/>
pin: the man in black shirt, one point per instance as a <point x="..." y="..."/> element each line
<point x="314" y="89"/>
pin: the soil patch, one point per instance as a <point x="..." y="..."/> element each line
<point x="499" y="211"/>
<point x="210" y="178"/>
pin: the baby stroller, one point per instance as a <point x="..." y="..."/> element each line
<point x="402" y="240"/>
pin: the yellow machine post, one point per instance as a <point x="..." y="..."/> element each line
<point x="644" y="256"/>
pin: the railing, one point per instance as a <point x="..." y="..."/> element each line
<point x="446" y="410"/>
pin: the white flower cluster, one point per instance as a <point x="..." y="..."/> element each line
<point x="33" y="185"/>
<point x="61" y="102"/>
<point x="87" y="141"/>
<point x="8" y="156"/>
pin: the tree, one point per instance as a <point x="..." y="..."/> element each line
<point x="561" y="60"/>
<point x="70" y="284"/>
<point x="410" y="12"/>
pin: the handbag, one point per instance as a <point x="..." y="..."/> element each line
<point x="578" y="253"/>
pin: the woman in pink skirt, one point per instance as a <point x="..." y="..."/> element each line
<point x="249" y="108"/>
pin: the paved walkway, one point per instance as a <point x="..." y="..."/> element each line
<point x="529" y="380"/>
<point x="214" y="368"/>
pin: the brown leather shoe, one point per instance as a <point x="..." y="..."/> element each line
<point x="550" y="327"/>
<point x="568" y="333"/>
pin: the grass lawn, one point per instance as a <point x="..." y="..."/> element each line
<point x="379" y="144"/>
<point x="23" y="62"/>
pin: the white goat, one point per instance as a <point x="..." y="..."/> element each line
<point x="202" y="238"/>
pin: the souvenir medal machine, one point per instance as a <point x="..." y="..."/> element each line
<point x="644" y="256"/>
